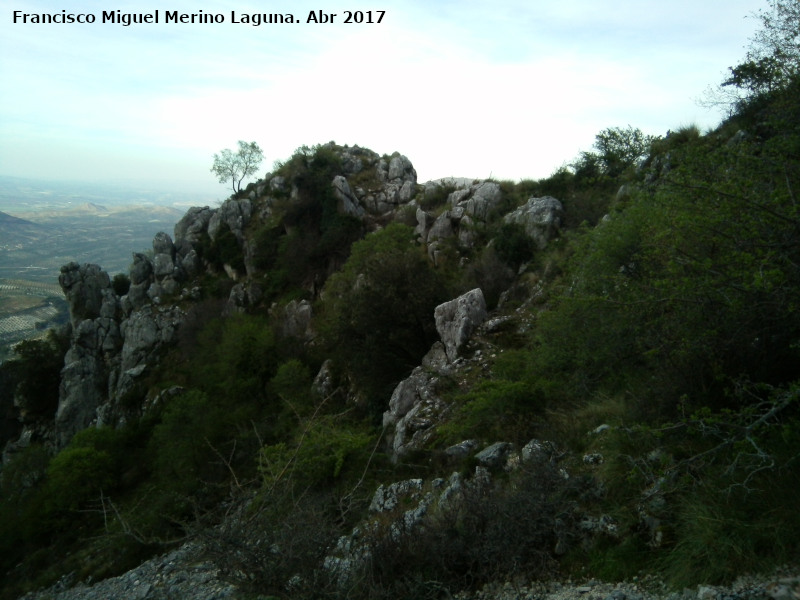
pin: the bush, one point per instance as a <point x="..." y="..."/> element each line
<point x="378" y="311"/>
<point x="496" y="410"/>
<point x="513" y="245"/>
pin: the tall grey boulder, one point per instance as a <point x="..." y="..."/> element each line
<point x="457" y="319"/>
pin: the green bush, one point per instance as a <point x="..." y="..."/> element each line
<point x="496" y="410"/>
<point x="513" y="245"/>
<point x="77" y="475"/>
<point x="327" y="451"/>
<point x="378" y="311"/>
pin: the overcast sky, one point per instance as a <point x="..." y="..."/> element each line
<point x="511" y="89"/>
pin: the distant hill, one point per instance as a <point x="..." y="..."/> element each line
<point x="7" y="220"/>
<point x="15" y="231"/>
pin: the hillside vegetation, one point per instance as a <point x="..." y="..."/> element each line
<point x="650" y="348"/>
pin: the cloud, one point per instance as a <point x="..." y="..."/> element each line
<point x="462" y="88"/>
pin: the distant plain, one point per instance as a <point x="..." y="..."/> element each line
<point x="45" y="225"/>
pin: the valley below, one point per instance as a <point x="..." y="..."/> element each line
<point x="45" y="225"/>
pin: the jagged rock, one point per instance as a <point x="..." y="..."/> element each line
<point x="84" y="378"/>
<point x="409" y="392"/>
<point x="296" y="320"/>
<point x="163" y="265"/>
<point x="436" y="359"/>
<point x="87" y="288"/>
<point x="479" y="200"/>
<point x="162" y="244"/>
<point x="430" y="188"/>
<point x="537" y="451"/>
<point x="233" y="213"/>
<point x="387" y="498"/>
<point x="241" y="297"/>
<point x="461" y="450"/>
<point x="190" y="229"/>
<point x="495" y="456"/>
<point x="347" y="203"/>
<point x="457" y="319"/>
<point x="141" y="270"/>
<point x="424" y="222"/>
<point x="442" y="228"/>
<point x="145" y="333"/>
<point x="541" y="218"/>
<point x="323" y="382"/>
<point x="136" y="297"/>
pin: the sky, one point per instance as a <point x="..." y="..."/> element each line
<point x="510" y="89"/>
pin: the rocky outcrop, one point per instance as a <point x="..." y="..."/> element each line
<point x="471" y="203"/>
<point x="540" y="217"/>
<point x="457" y="319"/>
<point x="96" y="339"/>
<point x="115" y="341"/>
<point x="415" y="405"/>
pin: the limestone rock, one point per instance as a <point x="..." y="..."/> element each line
<point x="457" y="319"/>
<point x="296" y="320"/>
<point x="347" y="203"/>
<point x="495" y="456"/>
<point x="86" y="288"/>
<point x="480" y="199"/>
<point x="540" y="217"/>
<point x="233" y="213"/>
<point x="162" y="244"/>
<point x="189" y="230"/>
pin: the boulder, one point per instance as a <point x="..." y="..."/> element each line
<point x="162" y="244"/>
<point x="347" y="203"/>
<point x="233" y="213"/>
<point x="189" y="230"/>
<point x="540" y="217"/>
<point x="141" y="270"/>
<point x="457" y="319"/>
<point x="479" y="200"/>
<point x="495" y="456"/>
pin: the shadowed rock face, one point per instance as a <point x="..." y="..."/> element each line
<point x="110" y="347"/>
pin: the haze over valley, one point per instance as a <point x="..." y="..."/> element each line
<point x="45" y="225"/>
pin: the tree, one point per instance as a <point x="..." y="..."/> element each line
<point x="621" y="148"/>
<point x="772" y="60"/>
<point x="236" y="167"/>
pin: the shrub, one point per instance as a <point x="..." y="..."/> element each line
<point x="378" y="311"/>
<point x="496" y="410"/>
<point x="513" y="245"/>
<point x="77" y="475"/>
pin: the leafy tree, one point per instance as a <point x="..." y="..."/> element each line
<point x="620" y="149"/>
<point x="236" y="166"/>
<point x="38" y="369"/>
<point x="772" y="60"/>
